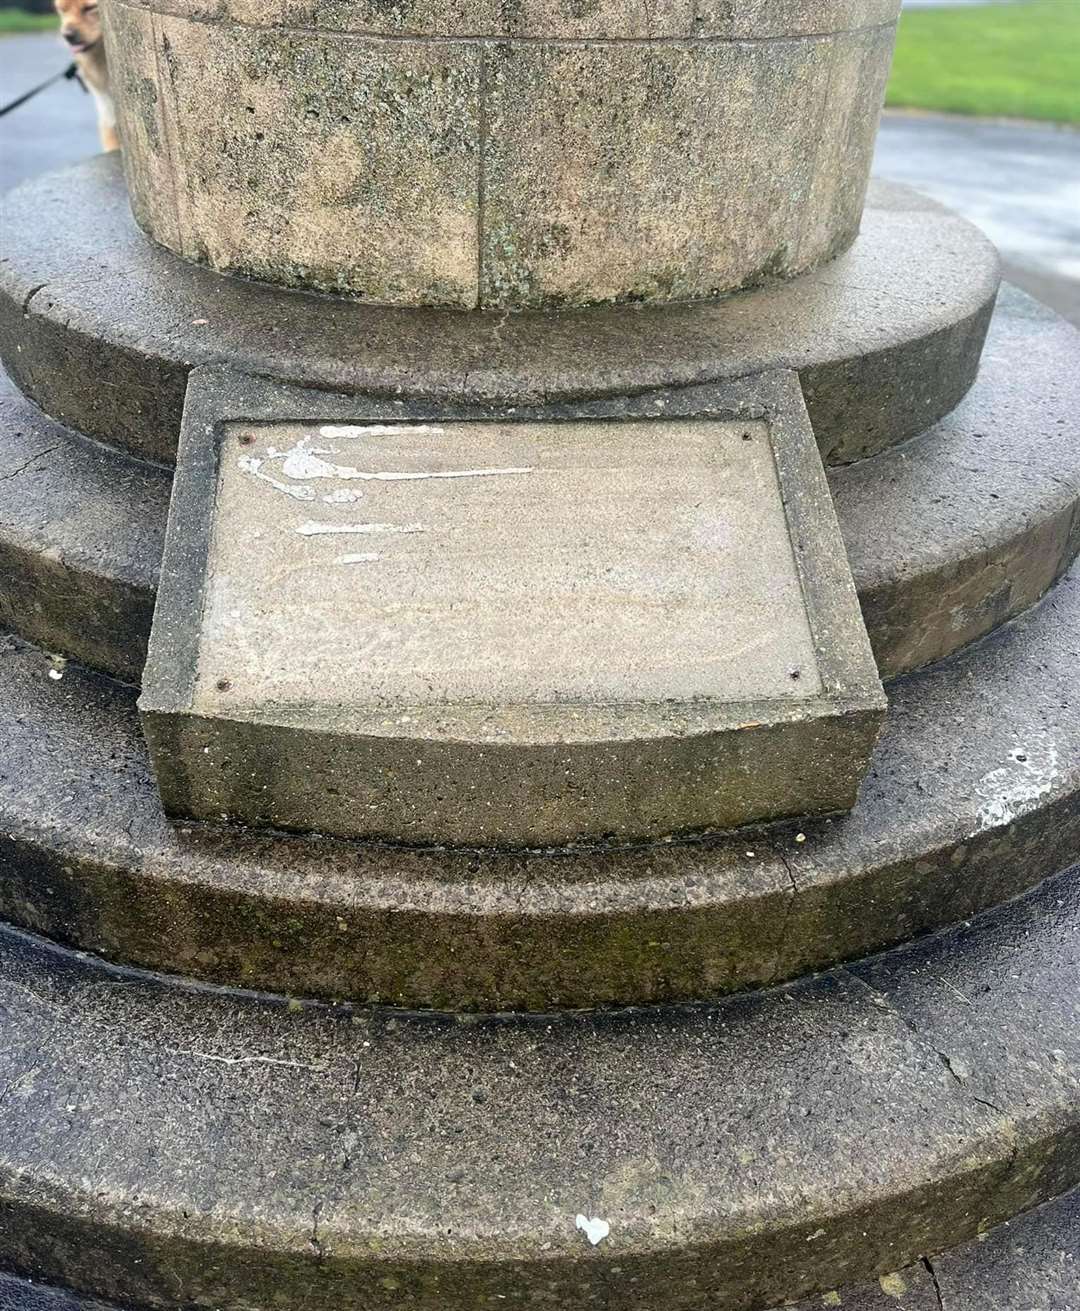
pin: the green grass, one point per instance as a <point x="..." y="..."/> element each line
<point x="1012" y="61"/>
<point x="17" y="20"/>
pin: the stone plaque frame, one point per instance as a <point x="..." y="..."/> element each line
<point x="624" y="773"/>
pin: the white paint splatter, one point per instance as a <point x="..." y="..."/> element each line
<point x="358" y="557"/>
<point x="253" y="465"/>
<point x="444" y="473"/>
<point x="313" y="529"/>
<point x="380" y="430"/>
<point x="304" y="462"/>
<point x="594" y="1229"/>
<point x="1008" y="791"/>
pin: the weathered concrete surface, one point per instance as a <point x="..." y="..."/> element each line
<point x="556" y="19"/>
<point x="886" y="339"/>
<point x="500" y="156"/>
<point x="88" y="857"/>
<point x="948" y="536"/>
<point x="1031" y="1263"/>
<point x="81" y="534"/>
<point x="953" y="534"/>
<point x="30" y="1295"/>
<point x="259" y="1154"/>
<point x="504" y="633"/>
<point x="1027" y="1264"/>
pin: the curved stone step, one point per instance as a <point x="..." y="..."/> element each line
<point x="81" y="534"/>
<point x="161" y="1144"/>
<point x="100" y="327"/>
<point x="949" y="535"/>
<point x="952" y="534"/>
<point x="973" y="796"/>
<point x="1031" y="1263"/>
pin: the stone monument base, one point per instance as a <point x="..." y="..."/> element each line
<point x="248" y="1070"/>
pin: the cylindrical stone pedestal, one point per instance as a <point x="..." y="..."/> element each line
<point x="501" y="153"/>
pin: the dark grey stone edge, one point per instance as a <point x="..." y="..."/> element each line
<point x="81" y="531"/>
<point x="972" y="797"/>
<point x="569" y="791"/>
<point x="844" y="1124"/>
<point x="1030" y="1263"/>
<point x="31" y="1295"/>
<point x="878" y="366"/>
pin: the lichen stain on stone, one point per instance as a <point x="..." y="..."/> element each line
<point x="350" y="174"/>
<point x="893" y="1285"/>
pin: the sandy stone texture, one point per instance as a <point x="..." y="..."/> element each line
<point x="532" y="154"/>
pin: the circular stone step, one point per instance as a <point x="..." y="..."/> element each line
<point x="1027" y="1264"/>
<point x="952" y="534"/>
<point x="162" y="1145"/>
<point x="973" y="796"/>
<point x="81" y="534"/>
<point x="100" y="327"/>
<point x="949" y="535"/>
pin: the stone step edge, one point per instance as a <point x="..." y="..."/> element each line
<point x="88" y="858"/>
<point x="910" y="1103"/>
<point x="1004" y="517"/>
<point x="886" y="338"/>
<point x="1033" y="1256"/>
<point x="81" y="535"/>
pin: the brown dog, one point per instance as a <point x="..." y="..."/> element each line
<point x="80" y="27"/>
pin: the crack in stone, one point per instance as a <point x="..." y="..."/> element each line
<point x="30" y="296"/>
<point x="26" y="464"/>
<point x="780" y="953"/>
<point x="21" y="1078"/>
<point x="481" y="169"/>
<point x="913" y="1028"/>
<point x="782" y="858"/>
<point x="315" y="1240"/>
<point x="928" y="1267"/>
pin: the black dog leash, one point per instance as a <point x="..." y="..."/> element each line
<point x="71" y="73"/>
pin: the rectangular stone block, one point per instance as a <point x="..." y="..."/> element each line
<point x="504" y="630"/>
